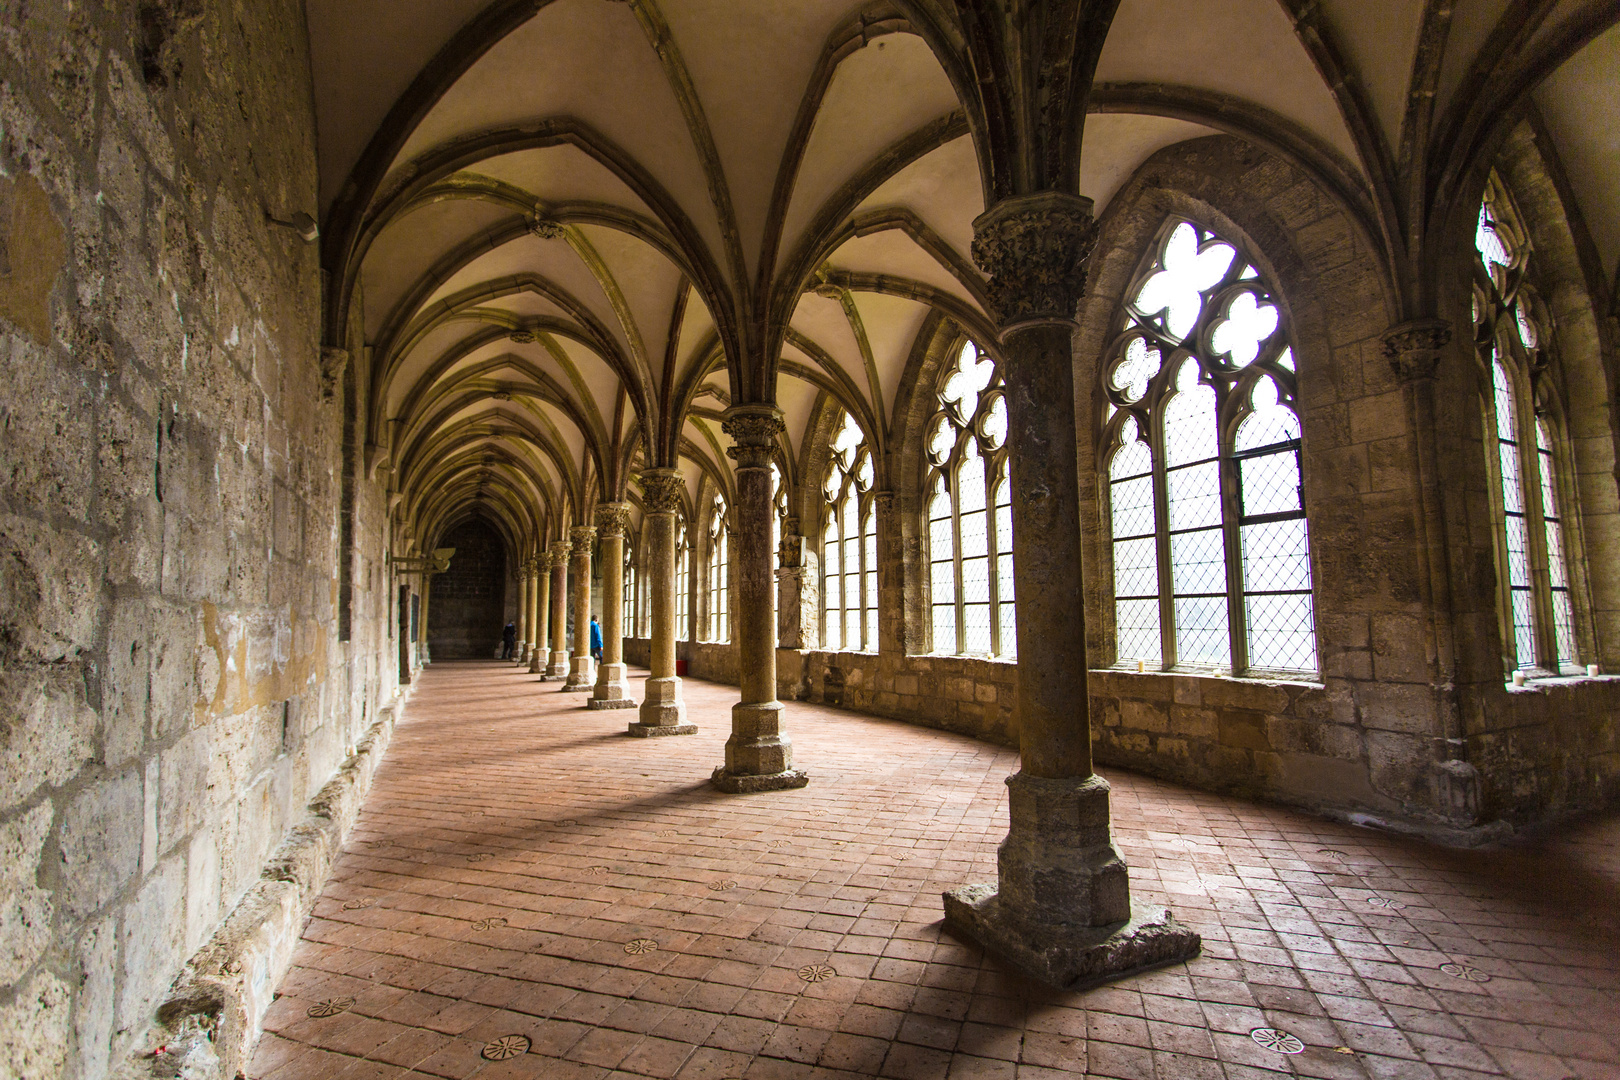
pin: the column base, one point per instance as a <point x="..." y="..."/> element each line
<point x="1064" y="956"/>
<point x="652" y="731"/>
<point x="558" y="668"/>
<point x="612" y="690"/>
<point x="536" y="665"/>
<point x="663" y="713"/>
<point x="748" y="783"/>
<point x="611" y="703"/>
<point x="583" y="675"/>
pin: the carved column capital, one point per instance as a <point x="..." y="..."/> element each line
<point x="883" y="503"/>
<point x="559" y="551"/>
<point x="753" y="430"/>
<point x="583" y="536"/>
<point x="613" y="519"/>
<point x="1035" y="249"/>
<point x="662" y="490"/>
<point x="542" y="562"/>
<point x="334" y="362"/>
<point x="1413" y="348"/>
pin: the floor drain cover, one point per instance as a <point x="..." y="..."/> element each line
<point x="640" y="945"/>
<point x="330" y="1007"/>
<point x="722" y="886"/>
<point x="816" y="973"/>
<point x="489" y="924"/>
<point x="505" y="1047"/>
<point x="1277" y="1041"/>
<point x="1465" y="971"/>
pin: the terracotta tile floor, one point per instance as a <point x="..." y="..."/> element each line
<point x="528" y="880"/>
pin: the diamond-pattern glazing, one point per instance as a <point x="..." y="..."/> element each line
<point x="1137" y="625"/>
<point x="1198" y="563"/>
<point x="1282" y="631"/>
<point x="1202" y="633"/>
<point x="1194" y="496"/>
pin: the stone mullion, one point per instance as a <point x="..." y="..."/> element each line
<point x="662" y="710"/>
<point x="542" y="597"/>
<point x="1061" y="908"/>
<point x="1237" y="616"/>
<point x="559" y="609"/>
<point x="759" y="755"/>
<point x="582" y="675"/>
<point x="520" y="648"/>
<point x="993" y="553"/>
<point x="612" y="689"/>
<point x="1161" y="542"/>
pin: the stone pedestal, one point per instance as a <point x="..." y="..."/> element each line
<point x="612" y="689"/>
<point x="759" y="756"/>
<point x="662" y="710"/>
<point x="558" y="667"/>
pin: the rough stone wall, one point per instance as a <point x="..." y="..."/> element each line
<point x="466" y="608"/>
<point x="172" y="689"/>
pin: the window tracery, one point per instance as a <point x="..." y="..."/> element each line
<point x="631" y="597"/>
<point x="1538" y="610"/>
<point x="969" y="506"/>
<point x="683" y="581"/>
<point x="849" y="545"/>
<point x="719" y="573"/>
<point x="1206" y="511"/>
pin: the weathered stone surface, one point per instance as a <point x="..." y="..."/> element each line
<point x="100" y="841"/>
<point x="35" y="1029"/>
<point x="25" y="908"/>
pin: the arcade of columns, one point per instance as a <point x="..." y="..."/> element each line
<point x="1062" y="909"/>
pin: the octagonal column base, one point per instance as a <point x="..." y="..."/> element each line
<point x="1065" y="956"/>
<point x="558" y="668"/>
<point x="663" y="713"/>
<point x="583" y="675"/>
<point x="537" y="665"/>
<point x="746" y="783"/>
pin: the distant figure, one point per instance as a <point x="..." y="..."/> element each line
<point x="508" y="640"/>
<point x="596" y="641"/>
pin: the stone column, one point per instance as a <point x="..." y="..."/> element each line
<point x="759" y="755"/>
<point x="612" y="676"/>
<point x="583" y="674"/>
<point x="521" y="650"/>
<point x="422" y="655"/>
<point x="559" y="609"/>
<point x="1061" y="910"/>
<point x="1413" y="350"/>
<point x="541" y="606"/>
<point x="796" y="594"/>
<point x="891" y="555"/>
<point x="662" y="710"/>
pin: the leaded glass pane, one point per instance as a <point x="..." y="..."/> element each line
<point x="1527" y="328"/>
<point x="1270" y="422"/>
<point x="995" y="423"/>
<point x="1133" y="373"/>
<point x="1276" y="557"/>
<point x="945" y="627"/>
<point x="1009" y="631"/>
<point x="1564" y="625"/>
<point x="1185" y="273"/>
<point x="1282" y="634"/>
<point x="1137" y="625"/>
<point x="1194" y="496"/>
<point x="1270" y="484"/>
<point x="1202" y="636"/>
<point x="852" y="626"/>
<point x="975" y="534"/>
<point x="1524" y="634"/>
<point x="942" y="578"/>
<point x="976" y="621"/>
<point x="1136" y="567"/>
<point x="967" y="380"/>
<point x="1518" y="553"/>
<point x="1506" y="428"/>
<point x="1132" y="506"/>
<point x="1198" y="562"/>
<point x="970" y="481"/>
<point x="1488" y="242"/>
<point x="976" y="580"/>
<point x="1190" y="431"/>
<point x="941" y="438"/>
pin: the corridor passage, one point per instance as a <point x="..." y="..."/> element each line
<point x="530" y="893"/>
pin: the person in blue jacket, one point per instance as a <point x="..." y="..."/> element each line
<point x="596" y="640"/>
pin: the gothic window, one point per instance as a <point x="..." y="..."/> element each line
<point x="719" y="573"/>
<point x="778" y="511"/>
<point x="969" y="507"/>
<point x="1206" y="508"/>
<point x="849" y="545"/>
<point x="628" y="616"/>
<point x="683" y="582"/>
<point x="1538" y="614"/>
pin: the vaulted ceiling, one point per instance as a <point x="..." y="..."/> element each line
<point x="558" y="226"/>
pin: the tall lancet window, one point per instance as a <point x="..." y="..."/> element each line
<point x="969" y="506"/>
<point x="630" y="626"/>
<point x="683" y="581"/>
<point x="849" y="545"/>
<point x="1206" y="508"/>
<point x="1538" y="610"/>
<point x="719" y="573"/>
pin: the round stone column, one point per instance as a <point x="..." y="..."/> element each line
<point x="662" y="710"/>
<point x="559" y="609"/>
<point x="1061" y="909"/>
<point x="520" y="651"/>
<point x="612" y="676"/>
<point x="582" y="676"/>
<point x="541" y="608"/>
<point x="759" y="755"/>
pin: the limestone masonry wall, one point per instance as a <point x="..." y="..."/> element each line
<point x="172" y="686"/>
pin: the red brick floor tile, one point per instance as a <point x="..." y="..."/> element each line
<point x="502" y="799"/>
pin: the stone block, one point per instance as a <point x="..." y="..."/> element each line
<point x="100" y="840"/>
<point x="202" y="888"/>
<point x="1399" y="649"/>
<point x="1143" y="716"/>
<point x="1243" y="729"/>
<point x="95" y="964"/>
<point x="984" y="693"/>
<point x="1194" y="723"/>
<point x="152" y="939"/>
<point x="26" y="910"/>
<point x="1244" y="694"/>
<point x="47" y="732"/>
<point x="35" y="1029"/>
<point x="50" y="583"/>
<point x="906" y="685"/>
<point x="1400" y="707"/>
<point x="187" y="787"/>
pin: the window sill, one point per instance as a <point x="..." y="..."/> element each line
<point x="1255" y="679"/>
<point x="1538" y="683"/>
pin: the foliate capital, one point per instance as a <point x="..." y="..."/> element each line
<point x="559" y="551"/>
<point x="1413" y="348"/>
<point x="1035" y="249"/>
<point x="613" y="519"/>
<point x="542" y="563"/>
<point x="661" y="490"/>
<point x="753" y="430"/>
<point x="583" y="536"/>
<point x="883" y="503"/>
<point x="334" y="362"/>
